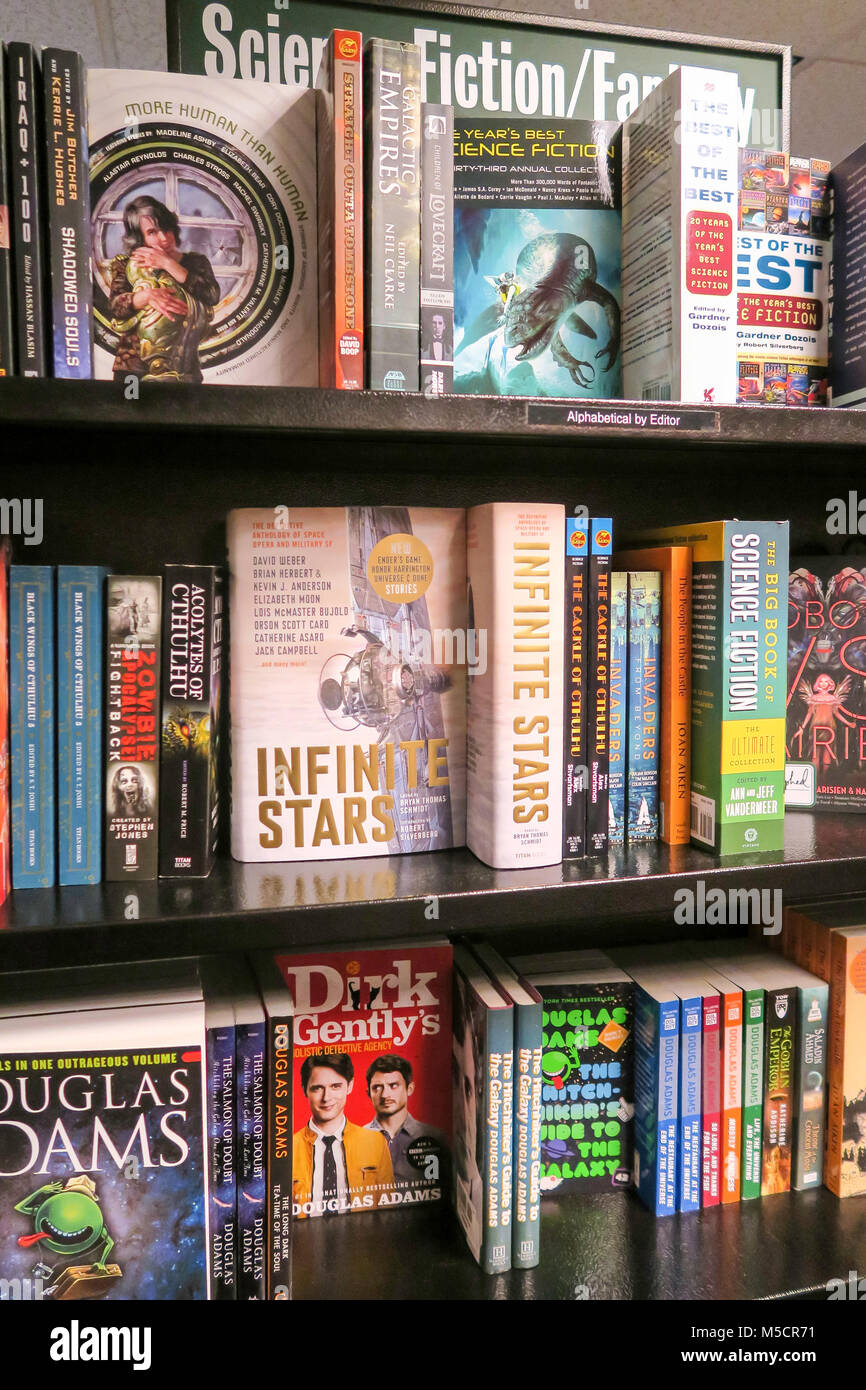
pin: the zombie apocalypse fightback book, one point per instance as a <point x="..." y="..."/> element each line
<point x="348" y="666"/>
<point x="537" y="262"/>
<point x="203" y="218"/>
<point x="133" y="607"/>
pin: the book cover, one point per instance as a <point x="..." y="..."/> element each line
<point x="7" y="308"/>
<point x="70" y="301"/>
<point x="574" y="712"/>
<point x="340" y="171"/>
<point x="27" y="207"/>
<point x="203" y="198"/>
<point x="482" y="1087"/>
<point x="279" y="1026"/>
<point x="644" y="714"/>
<point x="5" y="785"/>
<point x="80" y="737"/>
<point x="191" y="736"/>
<point x="392" y="210"/>
<point x="370" y="1077"/>
<point x="221" y="1121"/>
<point x="679" y="218"/>
<point x="132" y="689"/>
<point x="437" y="249"/>
<point x="537" y="233"/>
<point x="32" y="717"/>
<point x="618" y="721"/>
<point x="348" y="667"/>
<point x="515" y="556"/>
<point x="598" y="686"/>
<point x="250" y="1136"/>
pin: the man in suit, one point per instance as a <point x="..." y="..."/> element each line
<point x="337" y="1166"/>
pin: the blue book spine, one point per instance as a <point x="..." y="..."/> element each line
<point x="689" y="1194"/>
<point x="527" y="1135"/>
<point x="618" y="689"/>
<point x="31" y="718"/>
<point x="220" y="1047"/>
<point x="656" y="1100"/>
<point x="498" y="1142"/>
<point x="644" y="708"/>
<point x="250" y="1043"/>
<point x="80" y="608"/>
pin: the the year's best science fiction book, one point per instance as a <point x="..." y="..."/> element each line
<point x="203" y="216"/>
<point x="348" y="668"/>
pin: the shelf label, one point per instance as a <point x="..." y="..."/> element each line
<point x="614" y="417"/>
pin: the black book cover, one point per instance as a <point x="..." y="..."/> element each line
<point x="24" y="121"/>
<point x="132" y="634"/>
<point x="68" y="211"/>
<point x="7" y="358"/>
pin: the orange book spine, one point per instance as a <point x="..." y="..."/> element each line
<point x="732" y="1095"/>
<point x="837" y="956"/>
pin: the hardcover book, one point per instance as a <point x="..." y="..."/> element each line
<point x="132" y="682"/>
<point x="537" y="232"/>
<point x="70" y="301"/>
<point x="339" y="131"/>
<point x="348" y="663"/>
<point x="437" y="249"/>
<point x="32" y="717"/>
<point x="644" y="632"/>
<point x="80" y="647"/>
<point x="27" y="207"/>
<point x="203" y="195"/>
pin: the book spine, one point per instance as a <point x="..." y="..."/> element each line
<point x="251" y="1141"/>
<point x="711" y="1102"/>
<point x="526" y="1226"/>
<point x="279" y="1158"/>
<point x="80" y="608"/>
<point x="341" y="240"/>
<point x="495" y="1257"/>
<point x="656" y="1101"/>
<point x="811" y="1085"/>
<point x="7" y="317"/>
<point x="780" y="1041"/>
<point x="574" y="709"/>
<point x="689" y="1177"/>
<point x="437" y="249"/>
<point x="598" y="687"/>
<point x="732" y="1094"/>
<point x="68" y="213"/>
<point x="674" y="764"/>
<point x="5" y="787"/>
<point x="132" y="677"/>
<point x="392" y="204"/>
<point x="617" y="726"/>
<point x="191" y="671"/>
<point x="644" y="615"/>
<point x="753" y="1092"/>
<point x="222" y="1184"/>
<point x="32" y="716"/>
<point x="26" y="154"/>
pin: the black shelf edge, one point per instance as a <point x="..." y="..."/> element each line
<point x="60" y="405"/>
<point x="450" y="893"/>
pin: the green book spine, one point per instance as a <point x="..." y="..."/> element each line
<point x="753" y="1092"/>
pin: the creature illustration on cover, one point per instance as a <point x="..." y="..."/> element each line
<point x="68" y="1220"/>
<point x="827" y="667"/>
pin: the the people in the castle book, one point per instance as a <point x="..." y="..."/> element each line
<point x="416" y="1149"/>
<point x="337" y="1166"/>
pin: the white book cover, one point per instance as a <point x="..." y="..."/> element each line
<point x="679" y="222"/>
<point x="515" y="557"/>
<point x="348" y="690"/>
<point x="203" y="216"/>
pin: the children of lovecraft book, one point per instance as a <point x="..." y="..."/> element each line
<point x="516" y="577"/>
<point x="192" y="637"/>
<point x="618" y="720"/>
<point x="598" y="685"/>
<point x="537" y="263"/>
<point x="7" y="312"/>
<point x="32" y="717"/>
<point x="437" y="249"/>
<point x="370" y="1077"/>
<point x="483" y="1093"/>
<point x="339" y="133"/>
<point x="67" y="206"/>
<point x="575" y="677"/>
<point x="204" y="234"/>
<point x="679" y="223"/>
<point x="250" y="1134"/>
<point x="133" y="607"/>
<point x="278" y="1008"/>
<point x="27" y="207"/>
<point x="80" y="738"/>
<point x="392" y="209"/>
<point x="644" y="708"/>
<point x="825" y="745"/>
<point x="348" y="667"/>
<point x="738" y="681"/>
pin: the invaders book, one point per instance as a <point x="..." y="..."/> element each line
<point x="80" y="645"/>
<point x="67" y="206"/>
<point x="574" y="712"/>
<point x="339" y="133"/>
<point x="32" y="715"/>
<point x="644" y="712"/>
<point x="26" y="207"/>
<point x="132" y="685"/>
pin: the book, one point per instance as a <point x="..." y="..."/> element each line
<point x="656" y="1069"/>
<point x="516" y="575"/>
<point x="738" y="682"/>
<point x="340" y="171"/>
<point x="730" y="960"/>
<point x="825" y="744"/>
<point x="528" y="1077"/>
<point x="644" y="713"/>
<point x="348" y="667"/>
<point x="598" y="686"/>
<point x="7" y="308"/>
<point x="80" y="738"/>
<point x="191" y="736"/>
<point x="679" y="218"/>
<point x="370" y="1077"/>
<point x="711" y="1098"/>
<point x="574" y="714"/>
<point x="67" y="206"/>
<point x="691" y="990"/>
<point x="221" y="1125"/>
<point x="204" y="229"/>
<point x="847" y="292"/>
<point x="27" y="207"/>
<point x="279" y="1022"/>
<point x="437" y="249"/>
<point x="537" y="230"/>
<point x="5" y="785"/>
<point x="392" y="212"/>
<point x="483" y="1091"/>
<point x="132" y="690"/>
<point x="731" y="1040"/>
<point x="32" y="715"/>
<point x="617" y="720"/>
<point x="250" y="1136"/>
<point x="675" y="565"/>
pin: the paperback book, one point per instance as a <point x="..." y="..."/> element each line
<point x="132" y="686"/>
<point x="644" y="713"/>
<point x="80" y="697"/>
<point x="576" y="674"/>
<point x="7" y="312"/>
<point x="32" y="716"/>
<point x="437" y="249"/>
<point x="339" y="162"/>
<point x="68" y="214"/>
<point x="598" y="685"/>
<point x="27" y="207"/>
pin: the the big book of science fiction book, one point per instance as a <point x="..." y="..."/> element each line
<point x="203" y="216"/>
<point x="347" y="681"/>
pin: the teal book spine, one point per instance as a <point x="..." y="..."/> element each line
<point x="80" y="618"/>
<point x="31" y="724"/>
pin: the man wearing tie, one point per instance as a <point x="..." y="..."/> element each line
<point x="337" y="1166"/>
